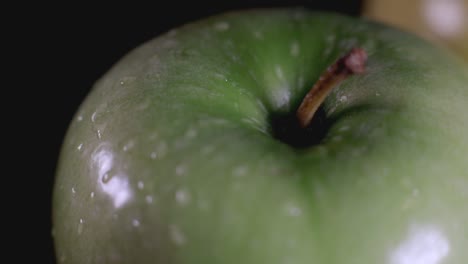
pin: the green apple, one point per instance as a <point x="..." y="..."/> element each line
<point x="181" y="152"/>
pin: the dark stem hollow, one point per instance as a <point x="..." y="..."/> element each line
<point x="287" y="129"/>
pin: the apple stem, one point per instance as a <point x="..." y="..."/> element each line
<point x="351" y="63"/>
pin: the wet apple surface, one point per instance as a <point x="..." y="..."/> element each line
<point x="174" y="156"/>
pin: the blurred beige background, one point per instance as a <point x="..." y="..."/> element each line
<point x="444" y="22"/>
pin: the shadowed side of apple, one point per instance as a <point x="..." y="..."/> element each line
<point x="182" y="152"/>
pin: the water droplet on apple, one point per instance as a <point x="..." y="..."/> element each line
<point x="140" y="185"/>
<point x="93" y="117"/>
<point x="80" y="226"/>
<point x="221" y="26"/>
<point x="153" y="155"/>
<point x="91" y="194"/>
<point x="130" y="144"/>
<point x="73" y="190"/>
<point x="98" y="133"/>
<point x="343" y="98"/>
<point x="183" y="196"/>
<point x="176" y="235"/>
<point x="80" y="146"/>
<point x="135" y="223"/>
<point x="281" y="97"/>
<point x="106" y="177"/>
<point x="79" y="118"/>
<point x="294" y="49"/>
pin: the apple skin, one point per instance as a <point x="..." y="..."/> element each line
<point x="171" y="158"/>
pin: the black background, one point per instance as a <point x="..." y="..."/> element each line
<point x="57" y="52"/>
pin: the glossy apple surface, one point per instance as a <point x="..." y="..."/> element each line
<point x="172" y="157"/>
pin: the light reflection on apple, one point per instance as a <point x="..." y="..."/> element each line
<point x="424" y="244"/>
<point x="114" y="184"/>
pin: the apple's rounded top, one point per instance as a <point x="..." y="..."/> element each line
<point x="176" y="155"/>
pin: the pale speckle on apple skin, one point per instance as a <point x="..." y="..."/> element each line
<point x="183" y="196"/>
<point x="62" y="258"/>
<point x="258" y="34"/>
<point x="98" y="134"/>
<point x="135" y="222"/>
<point x="93" y="117"/>
<point x="344" y="128"/>
<point x="240" y="171"/>
<point x="300" y="82"/>
<point x="329" y="44"/>
<point x="172" y="33"/>
<point x="343" y="98"/>
<point x="203" y="205"/>
<point x="279" y="72"/>
<point x="91" y="195"/>
<point x="80" y="226"/>
<point x="73" y="190"/>
<point x="337" y="138"/>
<point x="80" y="146"/>
<point x="129" y="145"/>
<point x="159" y="151"/>
<point x="144" y="105"/>
<point x="149" y="199"/>
<point x="208" y="149"/>
<point x="222" y="26"/>
<point x="177" y="236"/>
<point x="79" y="118"/>
<point x="220" y="76"/>
<point x="294" y="49"/>
<point x="140" y="185"/>
<point x="293" y="210"/>
<point x="282" y="97"/>
<point x="180" y="169"/>
<point x="191" y="133"/>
